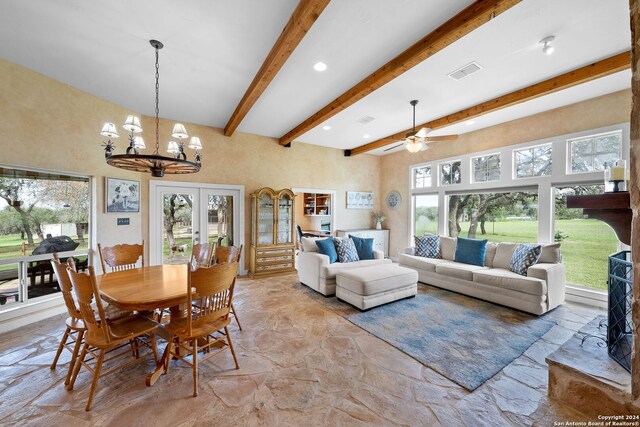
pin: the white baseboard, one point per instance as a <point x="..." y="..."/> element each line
<point x="31" y="312"/>
<point x="586" y="297"/>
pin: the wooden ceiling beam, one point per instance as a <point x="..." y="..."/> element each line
<point x="578" y="76"/>
<point x="470" y="18"/>
<point x="302" y="18"/>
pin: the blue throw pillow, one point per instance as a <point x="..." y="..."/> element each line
<point x="364" y="246"/>
<point x="346" y="250"/>
<point x="326" y="247"/>
<point x="524" y="256"/>
<point x="470" y="251"/>
<point x="428" y="246"/>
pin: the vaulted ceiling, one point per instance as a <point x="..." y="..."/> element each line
<point x="214" y="50"/>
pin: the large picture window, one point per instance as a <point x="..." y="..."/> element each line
<point x="486" y="168"/>
<point x="450" y="173"/>
<point x="40" y="213"/>
<point x="533" y="161"/>
<point x="593" y="153"/>
<point x="497" y="217"/>
<point x="586" y="243"/>
<point x="426" y="214"/>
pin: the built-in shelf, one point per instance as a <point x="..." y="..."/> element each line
<point x="612" y="208"/>
<point x="317" y="204"/>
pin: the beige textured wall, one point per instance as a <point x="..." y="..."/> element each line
<point x="597" y="112"/>
<point x="47" y="124"/>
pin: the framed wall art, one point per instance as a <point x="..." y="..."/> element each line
<point x="359" y="200"/>
<point x="122" y="195"/>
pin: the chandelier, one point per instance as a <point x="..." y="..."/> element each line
<point x="154" y="163"/>
<point x="415" y="141"/>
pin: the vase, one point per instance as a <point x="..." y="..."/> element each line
<point x="378" y="226"/>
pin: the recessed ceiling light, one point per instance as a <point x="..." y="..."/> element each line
<point x="320" y="66"/>
<point x="469" y="122"/>
<point x="326" y="127"/>
<point x="547" y="47"/>
<point x="366" y="136"/>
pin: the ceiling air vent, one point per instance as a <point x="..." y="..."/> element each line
<point x="463" y="72"/>
<point x="364" y="120"/>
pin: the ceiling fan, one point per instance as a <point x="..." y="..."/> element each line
<point x="416" y="141"/>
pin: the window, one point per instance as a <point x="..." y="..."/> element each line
<point x="40" y="213"/>
<point x="422" y="177"/>
<point x="426" y="214"/>
<point x="593" y="152"/>
<point x="533" y="161"/>
<point x="450" y="173"/>
<point x="486" y="168"/>
<point x="585" y="243"/>
<point x="497" y="217"/>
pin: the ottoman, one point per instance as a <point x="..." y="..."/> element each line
<point x="368" y="287"/>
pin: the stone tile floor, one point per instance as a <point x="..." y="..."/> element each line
<point x="300" y="364"/>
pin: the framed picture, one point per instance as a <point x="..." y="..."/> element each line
<point x="359" y="200"/>
<point x="122" y="195"/>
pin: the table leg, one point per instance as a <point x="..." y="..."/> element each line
<point x="161" y="367"/>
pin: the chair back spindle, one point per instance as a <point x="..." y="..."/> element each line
<point x="86" y="290"/>
<point x="211" y="291"/>
<point x="60" y="270"/>
<point x="121" y="257"/>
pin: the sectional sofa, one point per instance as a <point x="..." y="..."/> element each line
<point x="541" y="290"/>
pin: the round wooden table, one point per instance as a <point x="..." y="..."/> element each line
<point x="147" y="289"/>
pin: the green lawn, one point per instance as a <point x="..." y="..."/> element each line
<point x="585" y="250"/>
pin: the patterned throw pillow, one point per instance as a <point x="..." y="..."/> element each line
<point x="428" y="246"/>
<point x="346" y="250"/>
<point x="524" y="256"/>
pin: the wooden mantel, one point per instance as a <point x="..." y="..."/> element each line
<point x="612" y="208"/>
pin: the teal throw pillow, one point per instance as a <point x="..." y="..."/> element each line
<point x="346" y="250"/>
<point x="428" y="246"/>
<point x="364" y="246"/>
<point x="470" y="251"/>
<point x="326" y="247"/>
<point x="524" y="256"/>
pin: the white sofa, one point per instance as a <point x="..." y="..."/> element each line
<point x="541" y="290"/>
<point x="315" y="271"/>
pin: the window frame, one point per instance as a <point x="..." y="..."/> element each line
<point x="569" y="141"/>
<point x="473" y="168"/>
<point x="440" y="173"/>
<point x="414" y="170"/>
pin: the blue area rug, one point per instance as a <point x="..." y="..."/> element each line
<point x="465" y="339"/>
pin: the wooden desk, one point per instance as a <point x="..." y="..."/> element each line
<point x="147" y="289"/>
<point x="316" y="233"/>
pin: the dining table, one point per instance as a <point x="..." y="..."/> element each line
<point x="147" y="289"/>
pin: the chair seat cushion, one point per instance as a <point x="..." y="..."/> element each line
<point x="330" y="271"/>
<point x="428" y="264"/>
<point x="458" y="270"/>
<point x="505" y="279"/>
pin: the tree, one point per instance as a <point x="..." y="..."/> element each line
<point x="22" y="195"/>
<point x="73" y="199"/>
<point x="174" y="206"/>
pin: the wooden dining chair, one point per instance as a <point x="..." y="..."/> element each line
<point x="201" y="254"/>
<point x="210" y="291"/>
<point x="121" y="257"/>
<point x="105" y="338"/>
<point x="224" y="254"/>
<point x="73" y="335"/>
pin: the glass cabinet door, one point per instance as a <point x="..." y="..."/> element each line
<point x="285" y="218"/>
<point x="265" y="220"/>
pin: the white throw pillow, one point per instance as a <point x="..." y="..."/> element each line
<point x="504" y="253"/>
<point x="309" y="244"/>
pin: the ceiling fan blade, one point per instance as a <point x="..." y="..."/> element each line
<point x="422" y="133"/>
<point x="395" y="146"/>
<point x="442" y="138"/>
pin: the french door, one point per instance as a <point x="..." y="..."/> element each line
<point x="183" y="214"/>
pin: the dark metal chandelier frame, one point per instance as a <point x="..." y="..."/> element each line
<point x="154" y="163"/>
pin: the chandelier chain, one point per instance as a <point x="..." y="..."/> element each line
<point x="157" y="103"/>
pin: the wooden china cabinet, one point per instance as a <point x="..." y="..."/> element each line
<point x="272" y="233"/>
